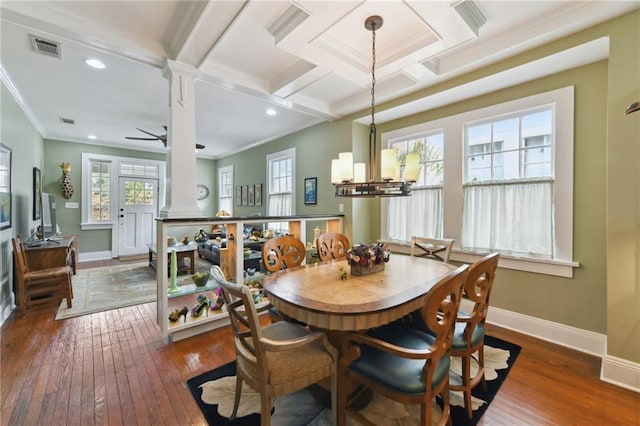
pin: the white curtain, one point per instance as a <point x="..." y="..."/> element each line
<point x="226" y="204"/>
<point x="420" y="214"/>
<point x="280" y="205"/>
<point x="512" y="217"/>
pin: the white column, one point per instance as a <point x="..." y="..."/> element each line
<point x="181" y="139"/>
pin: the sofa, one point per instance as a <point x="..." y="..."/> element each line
<point x="210" y="249"/>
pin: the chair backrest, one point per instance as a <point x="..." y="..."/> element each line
<point x="244" y="322"/>
<point x="332" y="245"/>
<point x="439" y="312"/>
<point x="282" y="252"/>
<point x="478" y="289"/>
<point x="20" y="256"/>
<point x="434" y="248"/>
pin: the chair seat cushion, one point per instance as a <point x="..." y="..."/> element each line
<point x="397" y="373"/>
<point x="458" y="336"/>
<point x="415" y="320"/>
<point x="309" y="359"/>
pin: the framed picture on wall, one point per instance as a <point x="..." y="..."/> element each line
<point x="37" y="194"/>
<point x="251" y="195"/>
<point x="245" y="195"/>
<point x="258" y="194"/>
<point x="5" y="187"/>
<point x="311" y="190"/>
<point x="238" y="195"/>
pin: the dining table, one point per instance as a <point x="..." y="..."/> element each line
<point x="327" y="297"/>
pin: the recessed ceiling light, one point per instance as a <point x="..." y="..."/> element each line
<point x="92" y="137"/>
<point x="271" y="111"/>
<point x="95" y="63"/>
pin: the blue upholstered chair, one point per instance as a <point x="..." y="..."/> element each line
<point x="404" y="363"/>
<point x="468" y="338"/>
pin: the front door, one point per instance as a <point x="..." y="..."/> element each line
<point x="138" y="206"/>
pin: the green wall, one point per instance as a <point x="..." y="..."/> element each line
<point x="56" y="152"/>
<point x="513" y="290"/>
<point x="17" y="133"/>
<point x="595" y="297"/>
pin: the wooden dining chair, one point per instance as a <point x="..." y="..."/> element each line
<point x="42" y="286"/>
<point x="468" y="337"/>
<point x="403" y="363"/>
<point x="275" y="359"/>
<point x="282" y="252"/>
<point x="434" y="248"/>
<point x="332" y="245"/>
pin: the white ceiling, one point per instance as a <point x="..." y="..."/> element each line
<point x="310" y="60"/>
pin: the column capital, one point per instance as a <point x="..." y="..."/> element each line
<point x="171" y="68"/>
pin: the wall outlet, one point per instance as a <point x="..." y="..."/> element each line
<point x="71" y="205"/>
<point x="340" y="208"/>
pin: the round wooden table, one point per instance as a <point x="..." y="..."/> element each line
<point x="315" y="294"/>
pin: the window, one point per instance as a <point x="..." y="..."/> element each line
<point x="138" y="193"/>
<point x="501" y="181"/>
<point x="423" y="210"/>
<point x="508" y="189"/>
<point x="281" y="187"/>
<point x="225" y="189"/>
<point x="100" y="191"/>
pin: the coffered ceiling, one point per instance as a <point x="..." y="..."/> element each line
<point x="310" y="61"/>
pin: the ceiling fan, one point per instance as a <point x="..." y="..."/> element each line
<point x="161" y="138"/>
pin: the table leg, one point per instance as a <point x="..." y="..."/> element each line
<point x="193" y="262"/>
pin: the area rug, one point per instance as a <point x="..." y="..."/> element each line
<point x="113" y="287"/>
<point x="214" y="392"/>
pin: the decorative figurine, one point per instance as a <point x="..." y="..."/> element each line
<point x="176" y="314"/>
<point x="343" y="274"/>
<point x="203" y="303"/>
<point x="217" y="301"/>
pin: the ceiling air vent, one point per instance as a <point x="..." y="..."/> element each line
<point x="67" y="120"/>
<point x="45" y="47"/>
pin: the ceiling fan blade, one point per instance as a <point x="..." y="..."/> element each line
<point x="149" y="133"/>
<point x="200" y="146"/>
<point x="141" y="139"/>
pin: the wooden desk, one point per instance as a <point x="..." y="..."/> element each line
<point x="52" y="254"/>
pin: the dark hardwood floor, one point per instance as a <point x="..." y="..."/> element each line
<point x="114" y="368"/>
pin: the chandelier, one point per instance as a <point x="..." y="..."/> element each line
<point x="349" y="179"/>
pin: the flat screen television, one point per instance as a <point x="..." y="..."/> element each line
<point x="48" y="217"/>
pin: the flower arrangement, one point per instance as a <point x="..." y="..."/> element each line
<point x="368" y="255"/>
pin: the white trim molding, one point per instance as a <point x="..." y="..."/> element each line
<point x="95" y="255"/>
<point x="560" y="334"/>
<point x="617" y="371"/>
<point x="620" y="372"/>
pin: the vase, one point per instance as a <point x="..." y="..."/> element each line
<point x="366" y="270"/>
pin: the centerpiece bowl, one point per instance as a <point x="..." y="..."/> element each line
<point x="200" y="278"/>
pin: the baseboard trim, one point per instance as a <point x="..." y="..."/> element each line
<point x="564" y="335"/>
<point x="620" y="372"/>
<point x="617" y="371"/>
<point x="94" y="255"/>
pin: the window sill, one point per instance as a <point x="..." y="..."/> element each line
<point x="92" y="226"/>
<point x="559" y="268"/>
